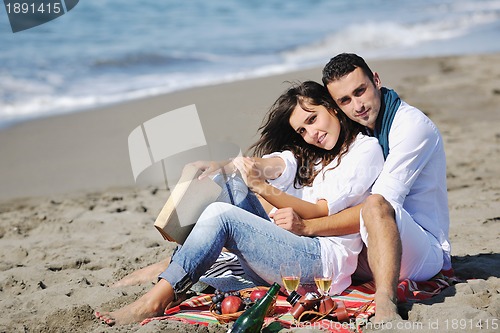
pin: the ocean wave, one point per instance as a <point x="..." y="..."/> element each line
<point x="106" y="91"/>
<point x="371" y="37"/>
<point x="153" y="59"/>
<point x="111" y="62"/>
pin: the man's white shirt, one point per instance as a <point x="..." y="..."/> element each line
<point x="414" y="174"/>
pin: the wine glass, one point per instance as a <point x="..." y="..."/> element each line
<point x="290" y="275"/>
<point x="323" y="276"/>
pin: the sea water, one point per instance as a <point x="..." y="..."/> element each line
<point x="108" y="51"/>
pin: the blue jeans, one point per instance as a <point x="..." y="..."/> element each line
<point x="236" y="192"/>
<point x="260" y="245"/>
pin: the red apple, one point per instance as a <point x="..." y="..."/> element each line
<point x="257" y="294"/>
<point x="232" y="304"/>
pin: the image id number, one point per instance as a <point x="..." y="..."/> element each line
<point x="32" y="8"/>
<point x="469" y="324"/>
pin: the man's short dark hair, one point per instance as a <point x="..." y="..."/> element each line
<point x="343" y="64"/>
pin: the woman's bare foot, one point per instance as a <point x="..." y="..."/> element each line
<point x="147" y="274"/>
<point x="152" y="304"/>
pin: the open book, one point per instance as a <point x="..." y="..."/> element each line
<point x="185" y="204"/>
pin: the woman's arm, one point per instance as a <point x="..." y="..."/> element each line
<point x="268" y="168"/>
<point x="256" y="170"/>
<point x="261" y="168"/>
<point x="210" y="167"/>
<point x="344" y="188"/>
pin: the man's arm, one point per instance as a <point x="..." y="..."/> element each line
<point x="342" y="223"/>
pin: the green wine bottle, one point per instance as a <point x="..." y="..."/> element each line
<point x="252" y="319"/>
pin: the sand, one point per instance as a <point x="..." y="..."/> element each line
<point x="73" y="221"/>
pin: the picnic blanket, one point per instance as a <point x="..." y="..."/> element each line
<point x="359" y="301"/>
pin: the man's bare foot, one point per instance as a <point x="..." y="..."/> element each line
<point x="152" y="304"/>
<point x="147" y="274"/>
<point x="386" y="309"/>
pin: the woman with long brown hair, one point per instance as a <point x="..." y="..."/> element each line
<point x="311" y="159"/>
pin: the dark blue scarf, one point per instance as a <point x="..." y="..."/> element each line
<point x="388" y="108"/>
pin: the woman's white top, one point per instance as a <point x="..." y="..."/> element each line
<point x="344" y="186"/>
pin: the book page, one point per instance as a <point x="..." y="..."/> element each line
<point x="186" y="203"/>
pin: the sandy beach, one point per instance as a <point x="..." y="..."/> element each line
<point x="73" y="221"/>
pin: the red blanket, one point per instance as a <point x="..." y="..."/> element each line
<point x="358" y="300"/>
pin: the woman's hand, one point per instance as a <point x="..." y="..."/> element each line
<point x="288" y="219"/>
<point x="207" y="167"/>
<point x="250" y="172"/>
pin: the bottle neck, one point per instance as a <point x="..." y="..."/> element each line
<point x="268" y="297"/>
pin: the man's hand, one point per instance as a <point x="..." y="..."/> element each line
<point x="289" y="220"/>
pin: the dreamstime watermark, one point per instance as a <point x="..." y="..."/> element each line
<point x="26" y="14"/>
<point x="161" y="147"/>
<point x="166" y="143"/>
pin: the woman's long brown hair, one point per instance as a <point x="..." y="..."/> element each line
<point x="276" y="133"/>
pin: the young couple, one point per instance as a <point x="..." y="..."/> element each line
<point x="317" y="169"/>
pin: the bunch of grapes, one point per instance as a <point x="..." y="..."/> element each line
<point x="230" y="302"/>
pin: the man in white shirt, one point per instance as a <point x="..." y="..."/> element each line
<point x="405" y="222"/>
